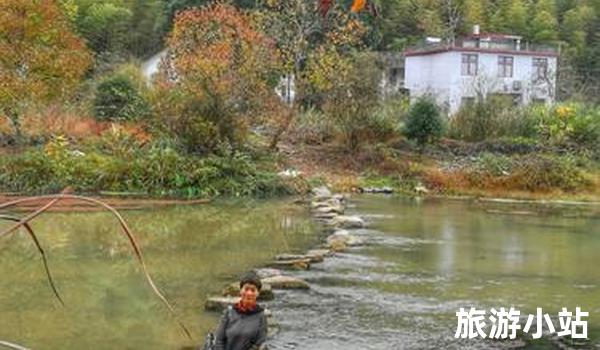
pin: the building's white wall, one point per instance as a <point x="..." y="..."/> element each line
<point x="440" y="75"/>
<point x="434" y="75"/>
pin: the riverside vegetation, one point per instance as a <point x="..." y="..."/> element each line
<point x="210" y="124"/>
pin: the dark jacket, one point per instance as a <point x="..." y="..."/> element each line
<point x="241" y="331"/>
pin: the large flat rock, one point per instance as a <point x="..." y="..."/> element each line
<point x="313" y="258"/>
<point x="345" y="221"/>
<point x="343" y="236"/>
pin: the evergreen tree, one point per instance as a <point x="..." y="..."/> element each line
<point x="518" y="13"/>
<point x="475" y="13"/>
<point x="544" y="25"/>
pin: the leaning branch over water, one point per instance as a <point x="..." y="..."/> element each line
<point x="41" y="250"/>
<point x="125" y="228"/>
<point x="12" y="345"/>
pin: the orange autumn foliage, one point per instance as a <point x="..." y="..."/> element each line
<point x="216" y="48"/>
<point x="358" y="5"/>
<point x="57" y="120"/>
<point x="41" y="59"/>
<point x="218" y="77"/>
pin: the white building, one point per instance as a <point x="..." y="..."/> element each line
<point x="481" y="65"/>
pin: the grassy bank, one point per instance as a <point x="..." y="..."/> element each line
<point x="155" y="170"/>
<point x="160" y="171"/>
<point x="454" y="169"/>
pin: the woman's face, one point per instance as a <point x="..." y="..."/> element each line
<point x="249" y="293"/>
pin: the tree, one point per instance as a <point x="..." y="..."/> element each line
<point x="40" y="58"/>
<point x="517" y="20"/>
<point x="474" y="13"/>
<point x="147" y="27"/>
<point x="399" y="24"/>
<point x="106" y="27"/>
<point x="499" y="16"/>
<point x="424" y="124"/>
<point x="223" y="67"/>
<point x="117" y="98"/>
<point x="544" y="25"/>
<point x="300" y="28"/>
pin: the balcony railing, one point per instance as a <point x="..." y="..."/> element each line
<point x="484" y="45"/>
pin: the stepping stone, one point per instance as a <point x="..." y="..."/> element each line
<point x="268" y="272"/>
<point x="344" y="237"/>
<point x="312" y="258"/>
<point x="326" y="215"/>
<point x="336" y="246"/>
<point x="344" y="221"/>
<point x="285" y="282"/>
<point x="298" y="264"/>
<point x="322" y="192"/>
<point x="320" y="252"/>
<point x="329" y="209"/>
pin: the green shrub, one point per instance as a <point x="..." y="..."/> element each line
<point x="424" y="123"/>
<point x="118" y="99"/>
<point x="385" y="122"/>
<point x="199" y="125"/>
<point x="496" y="165"/>
<point x="158" y="169"/>
<point x="585" y="127"/>
<point x="312" y="127"/>
<point x="29" y="172"/>
<point x="530" y="172"/>
<point x="494" y="118"/>
<point x="350" y="95"/>
<point x="547" y="172"/>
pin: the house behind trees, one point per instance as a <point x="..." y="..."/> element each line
<point x="479" y="66"/>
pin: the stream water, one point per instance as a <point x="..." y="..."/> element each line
<point x="423" y="261"/>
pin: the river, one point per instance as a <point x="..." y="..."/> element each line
<point x="424" y="259"/>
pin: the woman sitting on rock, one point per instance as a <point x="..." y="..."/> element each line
<point x="244" y="325"/>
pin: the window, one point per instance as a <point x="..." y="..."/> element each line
<point x="469" y="64"/>
<point x="505" y="66"/>
<point x="540" y="68"/>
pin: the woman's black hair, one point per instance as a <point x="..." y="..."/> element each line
<point x="252" y="278"/>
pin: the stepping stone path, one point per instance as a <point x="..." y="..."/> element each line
<point x="327" y="208"/>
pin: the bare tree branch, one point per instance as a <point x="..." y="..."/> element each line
<point x="12" y="346"/>
<point x="37" y="244"/>
<point x="125" y="228"/>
